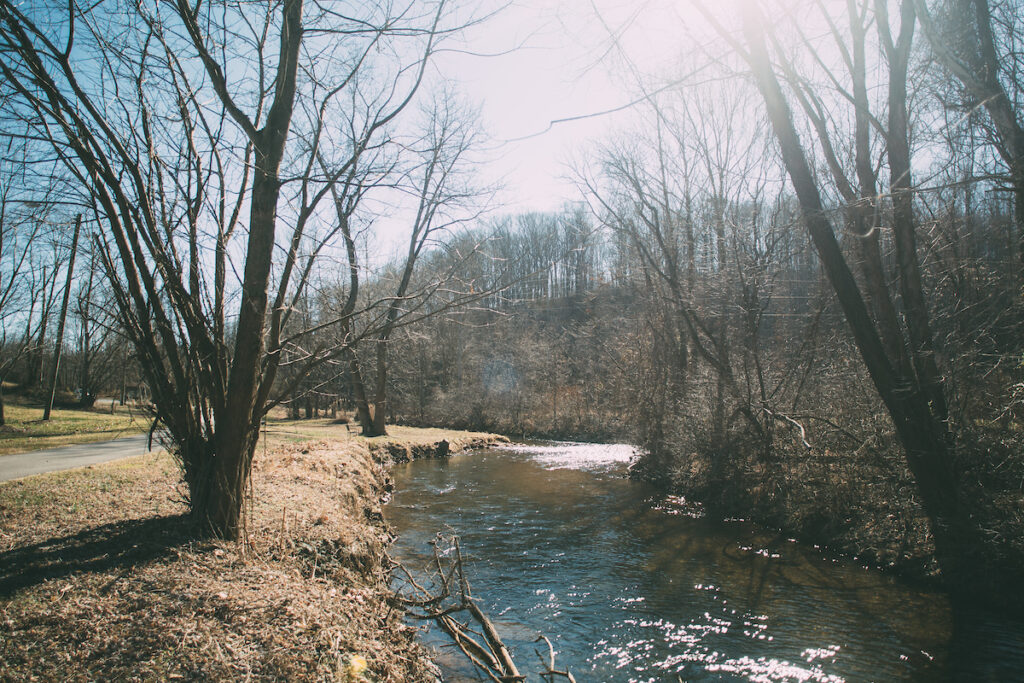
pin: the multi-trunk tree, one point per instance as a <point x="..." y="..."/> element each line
<point x="898" y="353"/>
<point x="209" y="136"/>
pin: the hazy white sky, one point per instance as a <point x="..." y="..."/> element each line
<point x="557" y="59"/>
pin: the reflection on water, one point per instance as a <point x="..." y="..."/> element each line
<point x="633" y="586"/>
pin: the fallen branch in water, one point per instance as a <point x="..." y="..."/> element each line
<point x="551" y="672"/>
<point x="444" y="592"/>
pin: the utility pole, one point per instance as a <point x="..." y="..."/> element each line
<point x="63" y="315"/>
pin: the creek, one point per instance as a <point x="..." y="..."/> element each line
<point x="632" y="585"/>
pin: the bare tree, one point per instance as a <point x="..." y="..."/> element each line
<point x="913" y="395"/>
<point x="178" y="118"/>
<point x="445" y="197"/>
<point x="20" y="230"/>
<point x="690" y="203"/>
<point x="61" y="319"/>
<point x="97" y="355"/>
<point x="966" y="39"/>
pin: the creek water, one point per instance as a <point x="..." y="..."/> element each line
<point x="631" y="585"/>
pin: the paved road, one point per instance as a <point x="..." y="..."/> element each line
<point x="36" y="462"/>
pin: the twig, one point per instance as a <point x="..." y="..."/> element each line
<point x="551" y="671"/>
<point x="786" y="418"/>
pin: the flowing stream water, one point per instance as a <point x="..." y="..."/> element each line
<point x="631" y="585"/>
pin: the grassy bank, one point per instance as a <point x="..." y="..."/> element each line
<point x="25" y="430"/>
<point x="100" y="577"/>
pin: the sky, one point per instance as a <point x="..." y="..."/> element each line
<point x="552" y="61"/>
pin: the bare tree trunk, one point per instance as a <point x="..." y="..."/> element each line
<point x="219" y="506"/>
<point x="922" y="346"/>
<point x="238" y="418"/>
<point x="380" y="401"/>
<point x="866" y="214"/>
<point x="221" y="493"/>
<point x="359" y="391"/>
<point x="60" y="321"/>
<point x="920" y="432"/>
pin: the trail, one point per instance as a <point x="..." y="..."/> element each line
<point x="20" y="465"/>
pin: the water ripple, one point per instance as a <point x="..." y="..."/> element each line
<point x="631" y="585"/>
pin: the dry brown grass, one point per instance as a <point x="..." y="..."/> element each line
<point x="100" y="578"/>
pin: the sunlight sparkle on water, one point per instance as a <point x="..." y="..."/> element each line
<point x="829" y="652"/>
<point x="577" y="456"/>
<point x="691" y="639"/>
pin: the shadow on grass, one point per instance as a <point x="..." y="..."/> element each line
<point x="119" y="545"/>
